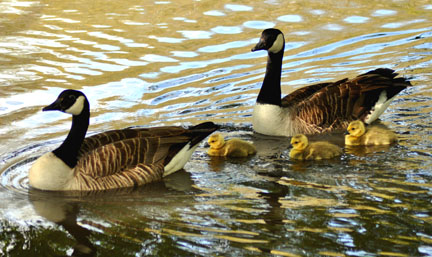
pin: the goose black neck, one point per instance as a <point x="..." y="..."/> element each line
<point x="270" y="92"/>
<point x="68" y="150"/>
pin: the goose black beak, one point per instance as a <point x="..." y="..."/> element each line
<point x="260" y="46"/>
<point x="56" y="106"/>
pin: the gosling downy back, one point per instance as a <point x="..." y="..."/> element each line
<point x="113" y="159"/>
<point x="359" y="134"/>
<point x="321" y="107"/>
<point x="303" y="150"/>
<point x="234" y="147"/>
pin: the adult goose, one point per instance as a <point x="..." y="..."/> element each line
<point x="113" y="159"/>
<point x="321" y="107"/>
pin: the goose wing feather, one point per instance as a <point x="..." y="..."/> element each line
<point x="134" y="176"/>
<point x="301" y="94"/>
<point x="112" y="136"/>
<point x="332" y="105"/>
<point x="130" y="162"/>
<point x="132" y="157"/>
<point x="115" y="157"/>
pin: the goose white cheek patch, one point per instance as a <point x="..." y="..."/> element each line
<point x="77" y="107"/>
<point x="278" y="44"/>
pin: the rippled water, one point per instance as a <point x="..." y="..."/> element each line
<point x="148" y="63"/>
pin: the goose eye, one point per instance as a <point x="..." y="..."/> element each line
<point x="72" y="97"/>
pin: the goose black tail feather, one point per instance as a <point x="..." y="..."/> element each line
<point x="385" y="81"/>
<point x="201" y="131"/>
<point x="195" y="134"/>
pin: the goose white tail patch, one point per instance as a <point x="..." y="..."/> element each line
<point x="77" y="107"/>
<point x="379" y="107"/>
<point x="278" y="44"/>
<point x="180" y="159"/>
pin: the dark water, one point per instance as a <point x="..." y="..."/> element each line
<point x="149" y="63"/>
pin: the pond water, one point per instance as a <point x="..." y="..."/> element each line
<point x="150" y="63"/>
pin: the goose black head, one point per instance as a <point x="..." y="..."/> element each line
<point x="271" y="40"/>
<point x="69" y="101"/>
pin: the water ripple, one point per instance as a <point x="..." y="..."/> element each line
<point x="176" y="63"/>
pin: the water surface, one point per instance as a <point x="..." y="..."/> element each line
<point x="150" y="63"/>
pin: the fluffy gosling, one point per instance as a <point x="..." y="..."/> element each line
<point x="302" y="150"/>
<point x="373" y="135"/>
<point x="233" y="148"/>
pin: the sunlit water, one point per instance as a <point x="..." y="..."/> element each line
<point x="149" y="63"/>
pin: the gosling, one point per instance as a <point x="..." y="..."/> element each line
<point x="374" y="135"/>
<point x="232" y="148"/>
<point x="320" y="150"/>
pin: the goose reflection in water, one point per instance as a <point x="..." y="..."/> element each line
<point x="64" y="212"/>
<point x="63" y="208"/>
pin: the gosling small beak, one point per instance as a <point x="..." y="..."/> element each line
<point x="346" y="132"/>
<point x="206" y="144"/>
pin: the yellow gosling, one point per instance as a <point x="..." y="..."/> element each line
<point x="373" y="135"/>
<point x="302" y="150"/>
<point x="233" y="148"/>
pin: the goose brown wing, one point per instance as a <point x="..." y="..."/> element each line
<point x="138" y="175"/>
<point x="130" y="162"/>
<point x="112" y="136"/>
<point x="301" y="94"/>
<point x="340" y="102"/>
<point x="150" y="146"/>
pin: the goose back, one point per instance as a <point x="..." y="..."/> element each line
<point x="112" y="136"/>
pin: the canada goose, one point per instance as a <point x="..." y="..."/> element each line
<point x="234" y="147"/>
<point x="372" y="135"/>
<point x="113" y="159"/>
<point x="302" y="150"/>
<point x="321" y="107"/>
